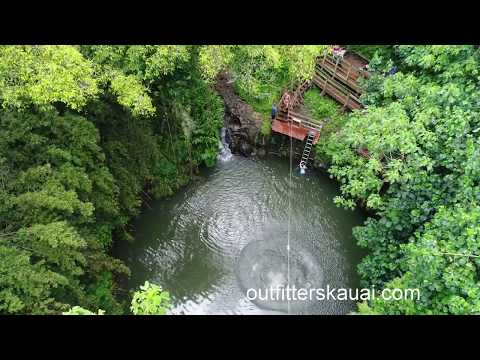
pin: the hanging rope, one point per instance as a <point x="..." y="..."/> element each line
<point x="289" y="205"/>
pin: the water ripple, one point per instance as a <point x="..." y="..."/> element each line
<point x="202" y="244"/>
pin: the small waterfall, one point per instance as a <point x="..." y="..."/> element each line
<point x="224" y="146"/>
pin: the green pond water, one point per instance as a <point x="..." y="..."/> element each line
<point x="229" y="231"/>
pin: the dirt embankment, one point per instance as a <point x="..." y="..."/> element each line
<point x="242" y="122"/>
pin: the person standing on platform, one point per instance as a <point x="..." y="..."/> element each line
<point x="338" y="53"/>
<point x="286" y="100"/>
<point x="274" y="111"/>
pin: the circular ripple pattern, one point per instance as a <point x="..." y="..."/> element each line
<point x="263" y="265"/>
<point x="227" y="232"/>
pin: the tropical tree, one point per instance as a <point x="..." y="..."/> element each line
<point x="411" y="157"/>
<point x="151" y="299"/>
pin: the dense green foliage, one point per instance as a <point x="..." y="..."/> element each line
<point x="262" y="72"/>
<point x="42" y="75"/>
<point x="58" y="210"/>
<point x="149" y="300"/>
<point x="266" y="128"/>
<point x="78" y="310"/>
<point x="86" y="132"/>
<point x="420" y="177"/>
<point x="89" y="133"/>
<point x="369" y="51"/>
<point x="326" y="110"/>
<point x="320" y="106"/>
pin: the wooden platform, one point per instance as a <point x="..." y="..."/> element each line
<point x="336" y="91"/>
<point x="338" y="79"/>
<point x="298" y="132"/>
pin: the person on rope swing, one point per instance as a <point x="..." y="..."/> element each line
<point x="303" y="168"/>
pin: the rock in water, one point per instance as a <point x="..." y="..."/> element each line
<point x="261" y="152"/>
<point x="245" y="149"/>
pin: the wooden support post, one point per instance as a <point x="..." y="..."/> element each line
<point x="326" y="76"/>
<point x="346" y="102"/>
<point x="331" y="78"/>
<point x="324" y="86"/>
<point x="334" y="73"/>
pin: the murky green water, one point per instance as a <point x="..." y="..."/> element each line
<point x="192" y="243"/>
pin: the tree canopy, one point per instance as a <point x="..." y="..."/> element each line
<point x="420" y="178"/>
<point x="89" y="133"/>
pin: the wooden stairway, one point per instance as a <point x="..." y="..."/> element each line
<point x="299" y="93"/>
<point x="338" y="79"/>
